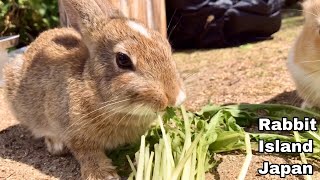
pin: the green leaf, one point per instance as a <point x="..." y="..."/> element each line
<point x="228" y="141"/>
<point x="208" y="111"/>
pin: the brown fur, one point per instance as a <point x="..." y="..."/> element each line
<point x="70" y="90"/>
<point x="304" y="60"/>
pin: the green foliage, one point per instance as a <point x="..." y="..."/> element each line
<point x="27" y="18"/>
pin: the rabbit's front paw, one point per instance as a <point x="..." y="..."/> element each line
<point x="95" y="165"/>
<point x="100" y="174"/>
<point x="55" y="146"/>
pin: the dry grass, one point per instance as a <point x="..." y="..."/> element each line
<point x="251" y="73"/>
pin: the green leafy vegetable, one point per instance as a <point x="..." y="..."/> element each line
<point x="183" y="144"/>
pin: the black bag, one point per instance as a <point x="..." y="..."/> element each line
<point x="220" y="23"/>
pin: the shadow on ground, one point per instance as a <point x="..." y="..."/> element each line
<point x="287" y="97"/>
<point x="17" y="144"/>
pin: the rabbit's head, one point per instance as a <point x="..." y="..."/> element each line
<point x="308" y="43"/>
<point x="303" y="59"/>
<point x="128" y="62"/>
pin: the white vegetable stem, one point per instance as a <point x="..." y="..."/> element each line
<point x="149" y="167"/>
<point x="187" y="144"/>
<point x="146" y="161"/>
<point x="132" y="166"/>
<point x="141" y="159"/>
<point x="157" y="165"/>
<point x="187" y="156"/>
<point x="314" y="135"/>
<point x="247" y="161"/>
<point x="302" y="155"/>
<point x="168" y="152"/>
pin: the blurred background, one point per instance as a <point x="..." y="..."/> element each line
<point x="246" y="72"/>
<point x="187" y="23"/>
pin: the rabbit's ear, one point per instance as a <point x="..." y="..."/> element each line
<point x="84" y="15"/>
<point x="108" y="9"/>
<point x="67" y="15"/>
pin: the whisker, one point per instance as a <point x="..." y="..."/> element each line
<point x="115" y="110"/>
<point x="115" y="99"/>
<point x="299" y="10"/>
<point x="83" y="124"/>
<point x="174" y="13"/>
<point x="309" y="61"/>
<point x="130" y="119"/>
<point x="113" y="103"/>
<point x="129" y="112"/>
<point x="174" y="27"/>
<point x="102" y="122"/>
<point x="309" y="75"/>
<point x="146" y="114"/>
<point x="190" y="76"/>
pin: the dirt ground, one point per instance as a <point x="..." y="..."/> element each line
<point x="252" y="73"/>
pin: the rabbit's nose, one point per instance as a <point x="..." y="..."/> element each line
<point x="180" y="98"/>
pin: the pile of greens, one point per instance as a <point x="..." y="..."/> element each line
<point x="183" y="144"/>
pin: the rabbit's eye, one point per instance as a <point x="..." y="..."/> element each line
<point x="124" y="61"/>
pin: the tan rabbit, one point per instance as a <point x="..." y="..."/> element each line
<point x="94" y="90"/>
<point x="304" y="58"/>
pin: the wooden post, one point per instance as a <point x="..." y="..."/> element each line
<point x="152" y="13"/>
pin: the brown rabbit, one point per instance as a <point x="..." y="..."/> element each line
<point x="94" y="90"/>
<point x="304" y="58"/>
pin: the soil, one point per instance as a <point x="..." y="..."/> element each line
<point x="251" y="73"/>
